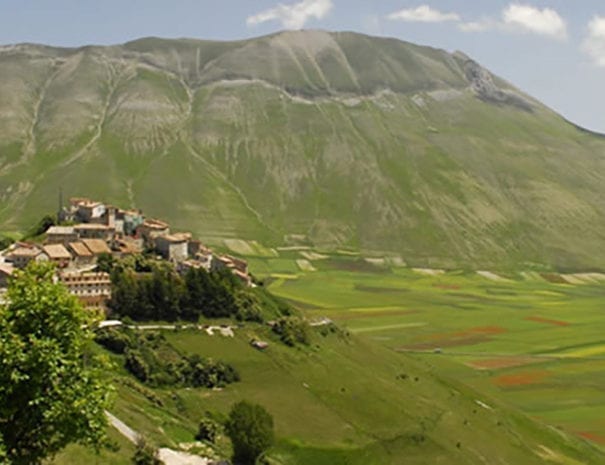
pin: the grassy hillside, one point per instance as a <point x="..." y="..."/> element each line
<point x="332" y="139"/>
<point x="533" y="340"/>
<point x="344" y="401"/>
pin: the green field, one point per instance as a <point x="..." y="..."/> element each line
<point x="447" y="368"/>
<point x="535" y="344"/>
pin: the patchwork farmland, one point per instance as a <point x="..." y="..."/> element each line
<point x="533" y="339"/>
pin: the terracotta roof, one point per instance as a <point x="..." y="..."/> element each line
<point x="80" y="249"/>
<point x="96" y="246"/>
<point x="60" y="230"/>
<point x="129" y="212"/>
<point x="25" y="252"/>
<point x="56" y="251"/>
<point x="87" y="203"/>
<point x="237" y="261"/>
<point x="177" y="237"/>
<point x="7" y="268"/>
<point x="90" y="226"/>
<point x="155" y="224"/>
<point x="241" y="274"/>
<point x="79" y="200"/>
<point x="128" y="247"/>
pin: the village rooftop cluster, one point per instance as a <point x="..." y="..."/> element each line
<point x="98" y="229"/>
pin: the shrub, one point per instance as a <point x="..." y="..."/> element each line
<point x="136" y="365"/>
<point x="199" y="372"/>
<point x="152" y="360"/>
<point x="208" y="430"/>
<point x="145" y="454"/>
<point x="250" y="428"/>
<point x="113" y="339"/>
<point x="292" y="331"/>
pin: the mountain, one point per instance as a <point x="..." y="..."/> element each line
<point x="311" y="137"/>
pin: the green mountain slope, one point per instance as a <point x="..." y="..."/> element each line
<point x="336" y="139"/>
<point x="341" y="401"/>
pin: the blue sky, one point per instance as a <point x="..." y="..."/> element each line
<point x="552" y="49"/>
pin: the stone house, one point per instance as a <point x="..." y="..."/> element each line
<point x="150" y="229"/>
<point x="61" y="235"/>
<point x="88" y="211"/>
<point x="131" y="220"/>
<point x="82" y="256"/>
<point x="92" y="289"/>
<point x="58" y="254"/>
<point x="239" y="264"/>
<point x="127" y="245"/>
<point x="94" y="231"/>
<point x="23" y="253"/>
<point x="222" y="262"/>
<point x="173" y="247"/>
<point x="96" y="246"/>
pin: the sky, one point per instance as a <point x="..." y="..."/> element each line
<point x="552" y="49"/>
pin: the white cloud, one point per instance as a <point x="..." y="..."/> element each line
<point x="423" y="14"/>
<point x="293" y="16"/>
<point x="481" y="25"/>
<point x="594" y="44"/>
<point x="522" y="18"/>
<point x="526" y="18"/>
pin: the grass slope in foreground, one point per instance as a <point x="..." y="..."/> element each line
<point x="345" y="400"/>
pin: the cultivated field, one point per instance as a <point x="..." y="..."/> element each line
<point x="534" y="340"/>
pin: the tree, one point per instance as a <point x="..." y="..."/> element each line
<point x="145" y="454"/>
<point x="208" y="430"/>
<point x="292" y="330"/>
<point x="51" y="392"/>
<point x="105" y="262"/>
<point x="250" y="428"/>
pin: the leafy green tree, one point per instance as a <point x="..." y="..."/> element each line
<point x="250" y="428"/>
<point x="292" y="330"/>
<point x="51" y="390"/>
<point x="105" y="262"/>
<point x="125" y="292"/>
<point x="145" y="454"/>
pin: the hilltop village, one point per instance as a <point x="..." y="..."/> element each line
<point x="90" y="229"/>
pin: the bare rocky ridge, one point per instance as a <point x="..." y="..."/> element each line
<point x="482" y="83"/>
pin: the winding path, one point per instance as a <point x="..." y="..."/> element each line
<point x="168" y="456"/>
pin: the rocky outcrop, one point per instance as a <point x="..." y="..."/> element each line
<point x="484" y="86"/>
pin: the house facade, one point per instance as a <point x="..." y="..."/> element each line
<point x="150" y="229"/>
<point x="22" y="254"/>
<point x="82" y="256"/>
<point x="92" y="289"/>
<point x="58" y="254"/>
<point x="61" y="235"/>
<point x="173" y="247"/>
<point x="94" y="231"/>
